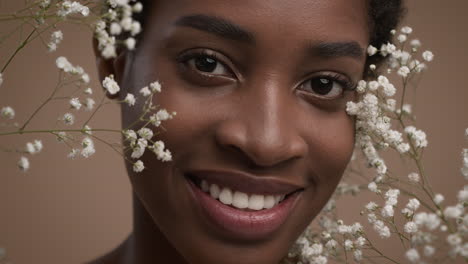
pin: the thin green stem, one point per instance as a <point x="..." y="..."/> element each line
<point x="21" y="46"/>
<point x="57" y="131"/>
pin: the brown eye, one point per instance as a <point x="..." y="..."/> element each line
<point x="207" y="64"/>
<point x="326" y="87"/>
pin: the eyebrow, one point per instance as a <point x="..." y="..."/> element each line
<point x="337" y="49"/>
<point x="217" y="26"/>
<point x="226" y="29"/>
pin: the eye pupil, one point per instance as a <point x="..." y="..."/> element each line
<point x="322" y="86"/>
<point x="205" y="64"/>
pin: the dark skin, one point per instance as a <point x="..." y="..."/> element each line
<point x="267" y="98"/>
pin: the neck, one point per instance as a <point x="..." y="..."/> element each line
<point x="147" y="244"/>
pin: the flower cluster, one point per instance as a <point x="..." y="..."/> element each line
<point x="142" y="140"/>
<point x="430" y="228"/>
<point x="118" y="21"/>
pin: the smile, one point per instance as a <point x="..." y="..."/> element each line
<point x="240" y="205"/>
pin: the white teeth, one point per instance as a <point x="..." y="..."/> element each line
<point x="240" y="200"/>
<point x="214" y="191"/>
<point x="205" y="186"/>
<point x="282" y="197"/>
<point x="269" y="202"/>
<point x="256" y="201"/>
<point x="226" y="196"/>
<point x="277" y="198"/>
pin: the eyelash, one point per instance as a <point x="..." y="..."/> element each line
<point x="346" y="83"/>
<point x="187" y="56"/>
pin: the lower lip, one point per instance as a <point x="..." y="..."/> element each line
<point x="249" y="225"/>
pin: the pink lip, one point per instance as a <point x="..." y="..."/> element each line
<point x="241" y="224"/>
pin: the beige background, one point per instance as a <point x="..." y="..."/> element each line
<point x="65" y="211"/>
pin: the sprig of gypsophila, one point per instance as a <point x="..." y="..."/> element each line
<point x="429" y="231"/>
<point x="112" y="22"/>
<point x="113" y="28"/>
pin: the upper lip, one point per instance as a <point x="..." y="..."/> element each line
<point x="247" y="183"/>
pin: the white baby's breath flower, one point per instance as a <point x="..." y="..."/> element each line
<point x="452" y="212"/>
<point x="430" y="220"/>
<point x="438" y="198"/>
<point x="371" y="50"/>
<point x="38" y="146"/>
<point x="135" y="29"/>
<point x="7" y="112"/>
<point x="412" y="255"/>
<point x="139" y="148"/>
<point x="111" y="85"/>
<point x="403" y="71"/>
<point x="413" y="204"/>
<point x="155" y="87"/>
<point x="428" y="55"/>
<point x="406" y="30"/>
<point x="30" y="148"/>
<point x="34" y="147"/>
<point x="371" y="206"/>
<point x="454" y="240"/>
<point x="463" y="195"/>
<point x="85" y="78"/>
<point x="411" y="227"/>
<point x="418" y="136"/>
<point x="413" y="177"/>
<point x="61" y="136"/>
<point x="88" y="91"/>
<point x="23" y="164"/>
<point x="402" y="38"/>
<point x="87" y="130"/>
<point x="361" y="87"/>
<point x="69" y="8"/>
<point x="88" y="147"/>
<point x="115" y="28"/>
<point x="63" y="64"/>
<point x="130" y="99"/>
<point x="55" y="39"/>
<point x="73" y="153"/>
<point x="372" y="187"/>
<point x="130" y="135"/>
<point x="145" y="91"/>
<point x="158" y="149"/>
<point x="138" y="166"/>
<point x="429" y="250"/>
<point x="382" y="229"/>
<point x="137" y="8"/>
<point x="126" y="23"/>
<point x="406" y="109"/>
<point x="331" y="244"/>
<point x="415" y="43"/>
<point x="130" y="43"/>
<point x="372" y="67"/>
<point x="69" y="119"/>
<point x="75" y="103"/>
<point x="373" y="85"/>
<point x="89" y="104"/>
<point x="145" y="133"/>
<point x="387" y="211"/>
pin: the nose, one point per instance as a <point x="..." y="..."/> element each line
<point x="263" y="128"/>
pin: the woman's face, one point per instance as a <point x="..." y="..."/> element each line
<point x="260" y="89"/>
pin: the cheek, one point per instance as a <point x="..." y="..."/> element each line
<point x="331" y="142"/>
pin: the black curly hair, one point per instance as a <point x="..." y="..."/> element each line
<point x="384" y="15"/>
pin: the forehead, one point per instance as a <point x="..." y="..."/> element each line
<point x="313" y="19"/>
